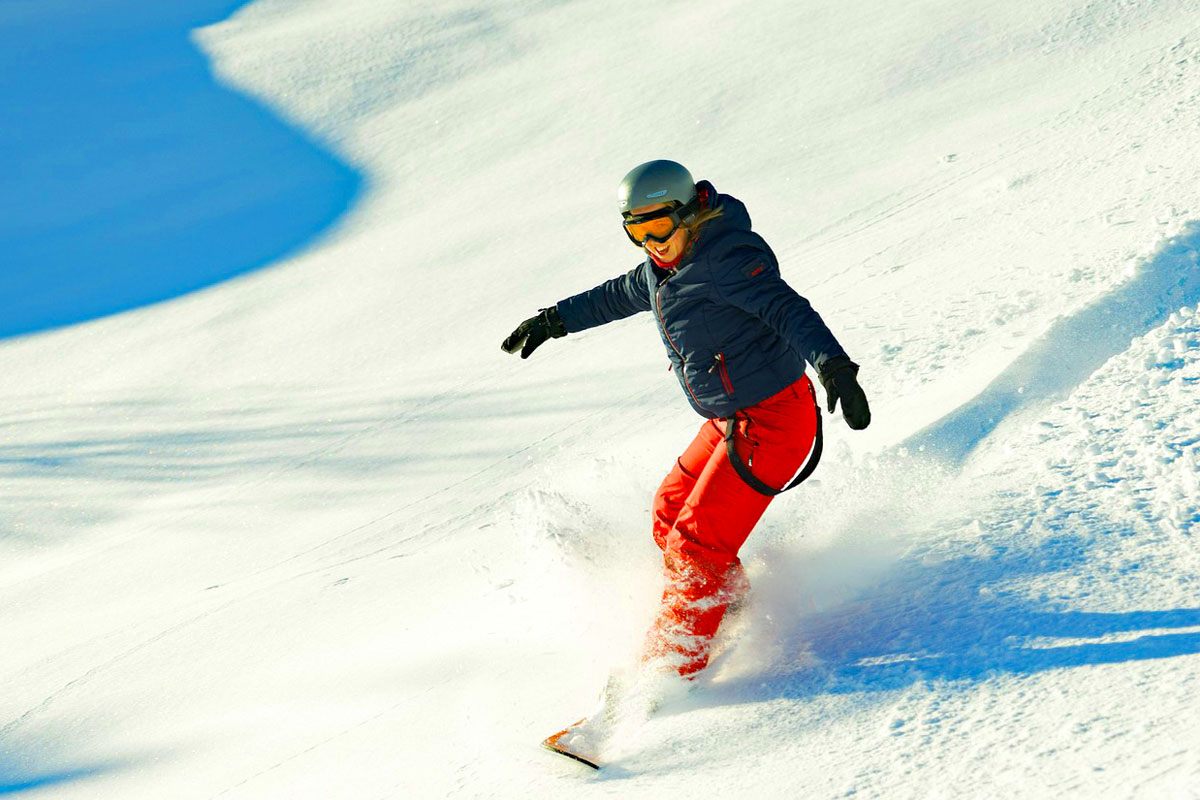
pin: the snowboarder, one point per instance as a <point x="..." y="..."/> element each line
<point x="738" y="337"/>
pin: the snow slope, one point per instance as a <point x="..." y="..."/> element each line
<point x="309" y="533"/>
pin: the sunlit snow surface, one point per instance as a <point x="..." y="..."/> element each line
<point x="310" y="533"/>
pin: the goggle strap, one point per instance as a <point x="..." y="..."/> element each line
<point x="679" y="211"/>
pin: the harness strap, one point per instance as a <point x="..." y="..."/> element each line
<point x="814" y="456"/>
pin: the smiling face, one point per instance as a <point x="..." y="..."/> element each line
<point x="669" y="251"/>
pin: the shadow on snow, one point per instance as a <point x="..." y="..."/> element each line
<point x="15" y="781"/>
<point x="959" y="619"/>
<point x="38" y="762"/>
<point x="130" y="175"/>
<point x="1073" y="348"/>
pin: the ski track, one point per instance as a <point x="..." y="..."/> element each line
<point x="309" y="458"/>
<point x="447" y="528"/>
<point x="1035" y="137"/>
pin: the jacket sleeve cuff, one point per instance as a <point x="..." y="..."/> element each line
<point x="830" y="364"/>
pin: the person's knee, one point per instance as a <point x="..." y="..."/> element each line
<point x="695" y="564"/>
<point x="663" y="512"/>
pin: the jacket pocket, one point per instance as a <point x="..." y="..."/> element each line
<point x="719" y="367"/>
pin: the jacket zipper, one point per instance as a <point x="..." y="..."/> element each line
<point x="682" y="360"/>
<point x="719" y="367"/>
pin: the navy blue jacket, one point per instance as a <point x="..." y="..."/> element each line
<point x="735" y="332"/>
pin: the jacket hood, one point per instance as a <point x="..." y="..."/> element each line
<point x="734" y="215"/>
<point x="732" y="227"/>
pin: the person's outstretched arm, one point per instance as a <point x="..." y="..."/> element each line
<point x="614" y="299"/>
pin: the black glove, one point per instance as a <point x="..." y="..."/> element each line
<point x="838" y="376"/>
<point x="530" y="334"/>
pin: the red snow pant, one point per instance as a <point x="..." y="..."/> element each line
<point x="704" y="511"/>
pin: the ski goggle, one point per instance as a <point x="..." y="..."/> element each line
<point x="657" y="226"/>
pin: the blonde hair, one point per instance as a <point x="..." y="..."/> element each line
<point x="702" y="216"/>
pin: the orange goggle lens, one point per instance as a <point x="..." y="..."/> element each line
<point x="659" y="228"/>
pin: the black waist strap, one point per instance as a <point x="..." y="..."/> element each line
<point x="814" y="457"/>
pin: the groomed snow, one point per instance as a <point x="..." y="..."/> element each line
<point x="310" y="533"/>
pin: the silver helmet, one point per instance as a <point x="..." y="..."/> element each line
<point x="656" y="182"/>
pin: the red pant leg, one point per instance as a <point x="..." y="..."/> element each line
<point x="700" y="553"/>
<point x="675" y="488"/>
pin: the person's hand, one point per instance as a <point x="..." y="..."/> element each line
<point x="530" y="334"/>
<point x="839" y="377"/>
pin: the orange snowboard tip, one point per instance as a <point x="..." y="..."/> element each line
<point x="555" y="744"/>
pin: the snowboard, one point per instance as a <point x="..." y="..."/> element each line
<point x="629" y="699"/>
<point x="562" y="742"/>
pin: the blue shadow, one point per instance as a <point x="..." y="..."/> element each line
<point x="128" y="175"/>
<point x="10" y="785"/>
<point x="39" y="760"/>
<point x="956" y="621"/>
<point x="1073" y="348"/>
